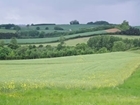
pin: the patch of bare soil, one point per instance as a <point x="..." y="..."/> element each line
<point x="113" y="30"/>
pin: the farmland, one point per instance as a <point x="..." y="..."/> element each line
<point x="54" y="39"/>
<point x="7" y="31"/>
<point x="66" y="27"/>
<point x="90" y="79"/>
<point x="73" y="42"/>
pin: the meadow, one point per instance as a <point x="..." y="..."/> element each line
<point x="53" y="39"/>
<point x="7" y="31"/>
<point x="73" y="42"/>
<point x="98" y="79"/>
<point x="66" y="27"/>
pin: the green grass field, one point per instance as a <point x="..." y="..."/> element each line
<point x="98" y="79"/>
<point x="66" y="27"/>
<point x="73" y="42"/>
<point x="52" y="39"/>
<point x="76" y="71"/>
<point x="7" y="31"/>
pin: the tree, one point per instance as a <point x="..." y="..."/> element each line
<point x="62" y="40"/>
<point x="123" y="26"/>
<point x="17" y="28"/>
<point x="74" y="22"/>
<point x="101" y="23"/>
<point x="58" y="28"/>
<point x="90" y="23"/>
<point x="103" y="50"/>
<point x="61" y="44"/>
<point x="27" y="25"/>
<point x="37" y="28"/>
<point x="95" y="42"/>
<point x="4" y="51"/>
<point x="42" y="34"/>
<point x="47" y="28"/>
<point x="13" y="43"/>
<point x="119" y="46"/>
<point x="1" y="43"/>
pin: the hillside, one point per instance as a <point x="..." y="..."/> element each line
<point x="104" y="79"/>
<point x="78" y="71"/>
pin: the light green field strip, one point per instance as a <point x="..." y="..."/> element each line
<point x="97" y="70"/>
<point x="46" y="40"/>
<point x="7" y="31"/>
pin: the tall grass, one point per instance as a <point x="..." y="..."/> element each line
<point x="101" y="67"/>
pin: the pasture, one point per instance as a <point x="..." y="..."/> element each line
<point x="54" y="39"/>
<point x="7" y="31"/>
<point x="78" y="80"/>
<point x="73" y="42"/>
<point x="66" y="27"/>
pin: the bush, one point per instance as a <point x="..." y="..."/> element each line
<point x="58" y="28"/>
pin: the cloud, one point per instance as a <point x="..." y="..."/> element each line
<point x="63" y="11"/>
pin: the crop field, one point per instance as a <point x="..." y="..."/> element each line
<point x="128" y="37"/>
<point x="53" y="39"/>
<point x="73" y="42"/>
<point x="66" y="27"/>
<point x="7" y="31"/>
<point x="78" y="80"/>
<point x="76" y="71"/>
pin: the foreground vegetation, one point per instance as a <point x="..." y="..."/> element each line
<point x="96" y="44"/>
<point x="99" y="79"/>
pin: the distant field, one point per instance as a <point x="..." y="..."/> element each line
<point x="46" y="40"/>
<point x="66" y="27"/>
<point x="137" y="27"/>
<point x="126" y="36"/>
<point x="7" y="31"/>
<point x="71" y="42"/>
<point x="98" y="70"/>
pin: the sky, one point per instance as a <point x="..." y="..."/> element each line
<point x="64" y="11"/>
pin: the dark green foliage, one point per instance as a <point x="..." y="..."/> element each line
<point x="47" y="28"/>
<point x="13" y="43"/>
<point x="17" y="28"/>
<point x="43" y="24"/>
<point x="99" y="23"/>
<point x="37" y="28"/>
<point x="58" y="28"/>
<point x="90" y="23"/>
<point x="8" y="35"/>
<point x="124" y="26"/>
<point x="2" y="43"/>
<point x="131" y="31"/>
<point x="119" y="46"/>
<point x="41" y="34"/>
<point x="4" y="52"/>
<point x="103" y="50"/>
<point x="112" y="43"/>
<point x="74" y="22"/>
<point x="96" y="44"/>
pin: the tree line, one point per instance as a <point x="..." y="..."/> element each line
<point x="23" y="34"/>
<point x="96" y="44"/>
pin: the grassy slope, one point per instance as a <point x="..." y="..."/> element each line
<point x="45" y="40"/>
<point x="7" y="31"/>
<point x="76" y="71"/>
<point x="73" y="42"/>
<point x="125" y="94"/>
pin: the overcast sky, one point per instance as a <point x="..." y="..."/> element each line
<point x="63" y="11"/>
